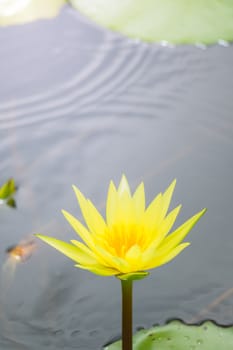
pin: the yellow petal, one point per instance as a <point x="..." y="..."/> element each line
<point x="157" y="235"/>
<point x="99" y="270"/>
<point x="93" y="218"/>
<point x="133" y="256"/>
<point x="125" y="209"/>
<point x="81" y="200"/>
<point x="101" y="256"/>
<point x="158" y="208"/>
<point x="72" y="252"/>
<point x="83" y="247"/>
<point x="163" y="259"/>
<point x="169" y="221"/>
<point x="112" y="205"/>
<point x="139" y="201"/>
<point x="79" y="228"/>
<point x="121" y="206"/>
<point x="104" y="257"/>
<point x="150" y="252"/>
<point x="124" y="187"/>
<point x="167" y="198"/>
<point x="179" y="234"/>
<point x="153" y="212"/>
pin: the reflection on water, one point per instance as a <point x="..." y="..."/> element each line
<point x="22" y="251"/>
<point x="80" y="106"/>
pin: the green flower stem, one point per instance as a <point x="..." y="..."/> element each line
<point x="127" y="314"/>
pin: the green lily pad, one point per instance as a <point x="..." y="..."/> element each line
<point x="174" y="21"/>
<point x="179" y="336"/>
<point x="21" y="11"/>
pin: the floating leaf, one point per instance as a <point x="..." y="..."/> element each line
<point x="8" y="189"/>
<point x="174" y="21"/>
<point x="6" y="193"/>
<point x="11" y="203"/>
<point x="21" y="11"/>
<point x="179" y="336"/>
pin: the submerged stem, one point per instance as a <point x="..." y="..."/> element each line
<point x="127" y="315"/>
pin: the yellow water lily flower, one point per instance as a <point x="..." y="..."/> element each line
<point x="132" y="239"/>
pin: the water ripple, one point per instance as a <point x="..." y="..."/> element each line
<point x="113" y="65"/>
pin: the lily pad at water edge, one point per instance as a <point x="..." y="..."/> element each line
<point x="21" y="11"/>
<point x="174" y="21"/>
<point x="178" y="336"/>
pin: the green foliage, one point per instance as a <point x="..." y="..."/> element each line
<point x="11" y="203"/>
<point x="174" y="21"/>
<point x="7" y="191"/>
<point x="178" y="336"/>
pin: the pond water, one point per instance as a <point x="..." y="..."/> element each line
<point x="80" y="105"/>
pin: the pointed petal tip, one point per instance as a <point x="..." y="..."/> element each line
<point x="73" y="241"/>
<point x="201" y="212"/>
<point x="42" y="237"/>
<point x="111" y="185"/>
<point x="123" y="176"/>
<point x="39" y="235"/>
<point x="123" y="179"/>
<point x="124" y="185"/>
<point x="64" y="212"/>
<point x="77" y="190"/>
<point x="74" y="187"/>
<point x="170" y="189"/>
<point x="141" y="184"/>
<point x="173" y="183"/>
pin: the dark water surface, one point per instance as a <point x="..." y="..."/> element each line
<point x="80" y="105"/>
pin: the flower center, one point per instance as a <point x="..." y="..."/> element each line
<point x="120" y="238"/>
